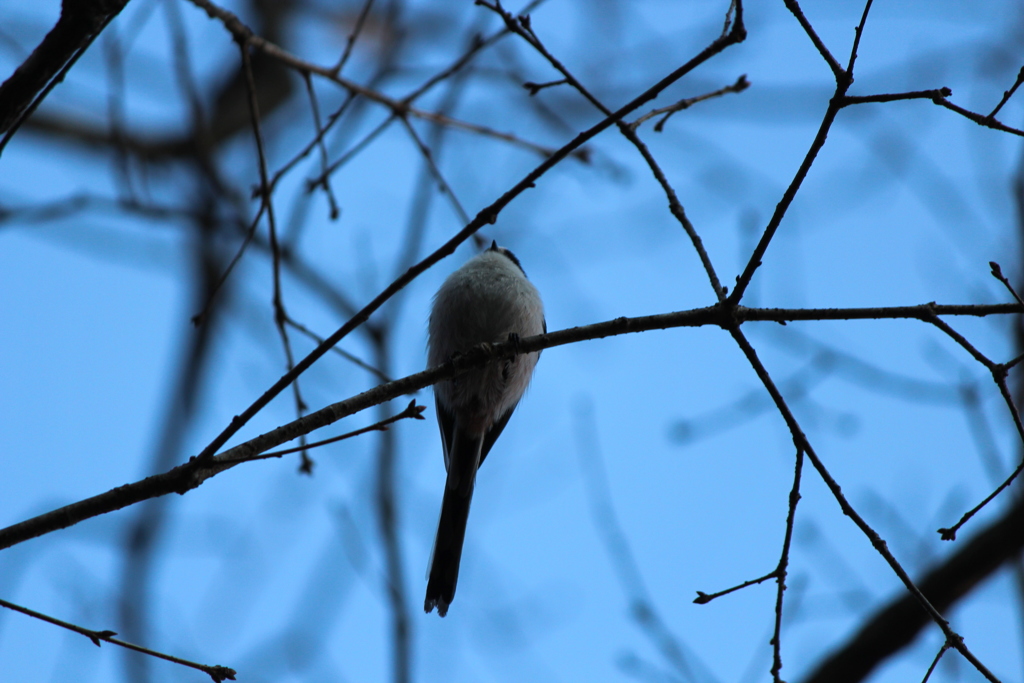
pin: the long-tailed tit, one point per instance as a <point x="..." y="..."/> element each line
<point x="488" y="300"/>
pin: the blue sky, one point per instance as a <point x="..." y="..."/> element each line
<point x="281" y="576"/>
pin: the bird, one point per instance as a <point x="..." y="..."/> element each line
<point x="488" y="300"/>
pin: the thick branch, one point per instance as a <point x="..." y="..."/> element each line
<point x="79" y="24"/>
<point x="192" y="474"/>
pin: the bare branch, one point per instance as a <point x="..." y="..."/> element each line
<point x="781" y="570"/>
<point x="833" y="63"/>
<point x="740" y="85"/>
<point x="895" y="97"/>
<point x="412" y="411"/>
<point x="857" y="33"/>
<point x="880" y="545"/>
<point x="194" y="473"/>
<point x="704" y="598"/>
<point x="535" y="88"/>
<point x="997" y="273"/>
<point x="81" y="21"/>
<point x="896" y="624"/>
<point x="1008" y="94"/>
<point x="216" y="672"/>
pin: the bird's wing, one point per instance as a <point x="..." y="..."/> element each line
<point x="493" y="433"/>
<point x="446" y="421"/>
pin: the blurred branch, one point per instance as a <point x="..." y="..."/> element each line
<point x="243" y="33"/>
<point x="386" y="507"/>
<point x="216" y="672"/>
<point x="355" y="360"/>
<point x="641" y="607"/>
<point x="145" y="527"/>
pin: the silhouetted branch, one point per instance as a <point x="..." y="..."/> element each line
<point x="192" y="474"/>
<point x="216" y="672"/>
<point x="79" y="24"/>
<point x="740" y="85"/>
<point x="895" y="625"/>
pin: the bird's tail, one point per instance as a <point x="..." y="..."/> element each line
<point x="451" y="530"/>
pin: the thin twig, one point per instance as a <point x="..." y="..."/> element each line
<point x="857" y="33"/>
<point x="833" y="63"/>
<point x="250" y="233"/>
<point x="265" y="192"/>
<point x="999" y="373"/>
<point x="755" y="260"/>
<point x="935" y="662"/>
<point x="980" y="119"/>
<point x="428" y="158"/>
<point x="313" y="183"/>
<point x="997" y="273"/>
<point x="876" y="541"/>
<point x="535" y="88"/>
<point x="704" y="598"/>
<point x="412" y="411"/>
<point x="740" y="85"/>
<point x="949" y="533"/>
<point x="341" y="352"/>
<point x="216" y="672"/>
<point x="351" y="41"/>
<point x="781" y="570"/>
<point x="1008" y="94"/>
<point x="938" y="96"/>
<point x="319" y="139"/>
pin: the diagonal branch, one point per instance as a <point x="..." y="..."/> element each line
<point x="197" y="470"/>
<point x="801" y="441"/>
<point x="81" y="21"/>
<point x="216" y="672"/>
<point x="894" y="626"/>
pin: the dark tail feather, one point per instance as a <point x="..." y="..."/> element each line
<point x="451" y="532"/>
